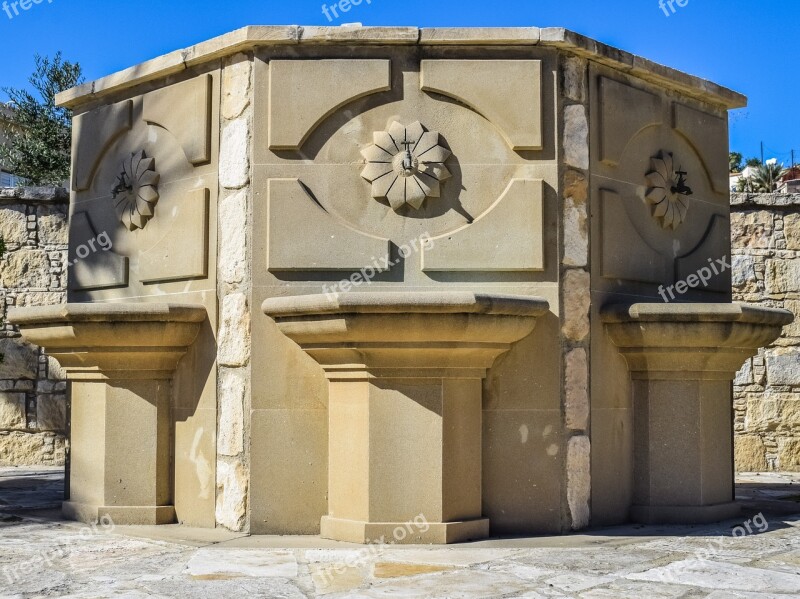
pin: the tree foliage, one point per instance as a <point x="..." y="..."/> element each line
<point x="754" y="162"/>
<point x="765" y="178"/>
<point x="40" y="132"/>
<point x="735" y="162"/>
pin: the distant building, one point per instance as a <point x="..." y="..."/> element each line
<point x="746" y="173"/>
<point x="790" y="182"/>
<point x="7" y="178"/>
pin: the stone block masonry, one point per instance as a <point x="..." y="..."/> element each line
<point x="33" y="403"/>
<point x="233" y="280"/>
<point x="765" y="232"/>
<point x="576" y="291"/>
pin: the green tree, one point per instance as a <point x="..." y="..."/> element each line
<point x="765" y="179"/>
<point x="743" y="185"/>
<point x="40" y="133"/>
<point x="754" y="162"/>
<point x="735" y="162"/>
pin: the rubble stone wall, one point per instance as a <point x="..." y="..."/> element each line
<point x="766" y="271"/>
<point x="33" y="272"/>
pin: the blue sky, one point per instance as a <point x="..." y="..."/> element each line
<point x="748" y="46"/>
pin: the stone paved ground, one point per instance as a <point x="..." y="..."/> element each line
<point x="42" y="556"/>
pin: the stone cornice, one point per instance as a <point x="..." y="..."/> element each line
<point x="252" y="37"/>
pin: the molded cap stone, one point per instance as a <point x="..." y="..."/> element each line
<point x="400" y="302"/>
<point x="68" y="313"/>
<point x="700" y="341"/>
<point x="113" y="340"/>
<point x="742" y="313"/>
<point x="420" y="334"/>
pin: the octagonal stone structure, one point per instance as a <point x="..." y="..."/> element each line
<point x="274" y="163"/>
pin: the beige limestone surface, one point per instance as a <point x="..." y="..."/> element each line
<point x="381" y="193"/>
<point x="119" y="359"/>
<point x="405" y="373"/>
<point x="682" y="358"/>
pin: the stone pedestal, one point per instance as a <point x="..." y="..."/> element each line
<point x="682" y="359"/>
<point x="405" y="372"/>
<point x="119" y="359"/>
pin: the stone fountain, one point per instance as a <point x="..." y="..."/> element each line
<point x="368" y="277"/>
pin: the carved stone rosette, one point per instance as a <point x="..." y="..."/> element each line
<point x="405" y="165"/>
<point x="665" y="192"/>
<point x="136" y="192"/>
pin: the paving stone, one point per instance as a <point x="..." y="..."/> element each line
<point x="231" y="563"/>
<point x="463" y="584"/>
<point x="50" y="558"/>
<point x="716" y="575"/>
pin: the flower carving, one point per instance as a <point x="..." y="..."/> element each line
<point x="136" y="192"/>
<point x="405" y="165"/>
<point x="667" y="191"/>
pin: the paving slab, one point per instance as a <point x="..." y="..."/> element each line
<point x="44" y="556"/>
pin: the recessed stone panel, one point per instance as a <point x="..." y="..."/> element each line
<point x="92" y="134"/>
<point x="508" y="93"/>
<point x="708" y="135"/>
<point x="303" y="93"/>
<point x="100" y="268"/>
<point x="477" y="247"/>
<point x="711" y="258"/>
<point x="304" y="236"/>
<point x="184" y="110"/>
<point x="626" y="255"/>
<point x="177" y="241"/>
<point x="625" y="111"/>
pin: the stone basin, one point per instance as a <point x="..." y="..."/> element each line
<point x="389" y="331"/>
<point x="119" y="359"/>
<point x="682" y="359"/>
<point x="96" y="338"/>
<point x="405" y="372"/>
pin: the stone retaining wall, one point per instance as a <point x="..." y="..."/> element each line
<point x="766" y="271"/>
<point x="33" y="405"/>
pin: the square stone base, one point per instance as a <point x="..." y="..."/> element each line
<point x="122" y="516"/>
<point x="684" y="514"/>
<point x="403" y="533"/>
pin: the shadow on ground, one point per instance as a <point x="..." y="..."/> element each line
<point x="38" y="492"/>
